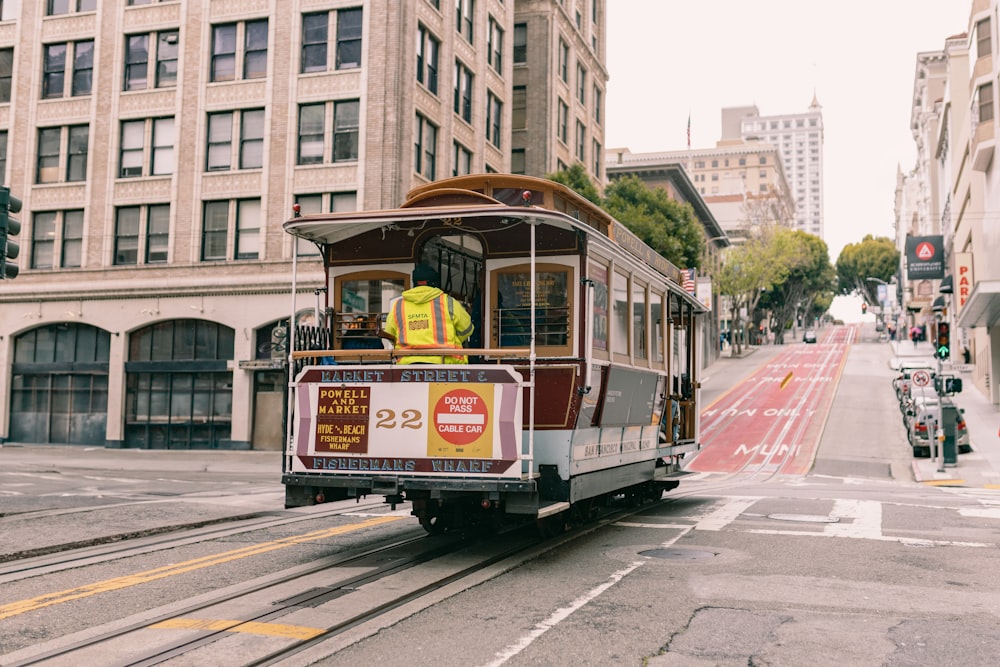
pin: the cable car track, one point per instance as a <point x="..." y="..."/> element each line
<point x="483" y="555"/>
<point x="151" y="541"/>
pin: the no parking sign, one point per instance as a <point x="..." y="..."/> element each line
<point x="921" y="378"/>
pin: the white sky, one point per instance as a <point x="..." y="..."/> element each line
<point x="859" y="56"/>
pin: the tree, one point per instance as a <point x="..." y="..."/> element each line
<point x="872" y="258"/>
<point x="668" y="226"/>
<point x="808" y="276"/>
<point x="748" y="270"/>
<point x="577" y="179"/>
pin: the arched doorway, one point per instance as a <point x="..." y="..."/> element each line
<point x="178" y="386"/>
<point x="59" y="385"/>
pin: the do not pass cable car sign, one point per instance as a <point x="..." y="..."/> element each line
<point x="921" y="378"/>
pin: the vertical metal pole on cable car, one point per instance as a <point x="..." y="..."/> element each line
<point x="588" y="336"/>
<point x="531" y="356"/>
<point x="290" y="344"/>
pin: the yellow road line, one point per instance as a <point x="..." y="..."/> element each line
<point x="788" y="378"/>
<point x="249" y="627"/>
<point x="944" y="482"/>
<point x="33" y="604"/>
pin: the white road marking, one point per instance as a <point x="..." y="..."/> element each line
<point x="561" y="614"/>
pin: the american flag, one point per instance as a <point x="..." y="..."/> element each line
<point x="688" y="283"/>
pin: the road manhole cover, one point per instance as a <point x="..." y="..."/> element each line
<point x="677" y="554"/>
<point x="805" y="518"/>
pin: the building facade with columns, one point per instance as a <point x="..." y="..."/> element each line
<point x="159" y="146"/>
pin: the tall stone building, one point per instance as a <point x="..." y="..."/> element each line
<point x="560" y="80"/>
<point x="799" y="139"/>
<point x="159" y="146"/>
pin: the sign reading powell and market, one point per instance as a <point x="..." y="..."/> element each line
<point x="924" y="257"/>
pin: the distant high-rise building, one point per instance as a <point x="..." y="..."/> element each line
<point x="799" y="140"/>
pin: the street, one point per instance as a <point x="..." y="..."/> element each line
<point x="866" y="557"/>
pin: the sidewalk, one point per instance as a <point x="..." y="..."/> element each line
<point x="979" y="468"/>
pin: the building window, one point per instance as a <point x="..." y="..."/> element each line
<point x="520" y="43"/>
<point x="135" y="158"/>
<point x="581" y="137"/>
<point x="563" y="61"/>
<point x="428" y="47"/>
<point x="142" y="231"/>
<point x="57" y="7"/>
<point x="346" y="123"/>
<point x="226" y="57"/>
<point x="6" y="74"/>
<point x="464" y="10"/>
<point x="138" y="57"/>
<point x="80" y="55"/>
<point x="461" y="160"/>
<point x="425" y="148"/>
<point x="581" y="84"/>
<point x="562" y="121"/>
<point x="983" y="45"/>
<point x="3" y="156"/>
<point x="344" y="133"/>
<point x="517" y="161"/>
<point x="237" y="219"/>
<point x="56" y="142"/>
<point x="312" y="120"/>
<point x="519" y="108"/>
<point x="316" y="31"/>
<point x="252" y="139"/>
<point x="494" y="114"/>
<point x="249" y="150"/>
<point x="463" y="91"/>
<point x="178" y="390"/>
<point x="763" y="160"/>
<point x="598" y="161"/>
<point x="57" y="239"/>
<point x="598" y="99"/>
<point x="494" y="46"/>
<point x="985" y="99"/>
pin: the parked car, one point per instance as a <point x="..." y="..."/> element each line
<point x="920" y="420"/>
<point x="809" y="336"/>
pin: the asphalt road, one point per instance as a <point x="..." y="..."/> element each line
<point x="855" y="563"/>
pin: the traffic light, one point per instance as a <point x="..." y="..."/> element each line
<point x="8" y="227"/>
<point x="943" y="350"/>
<point x="864" y="308"/>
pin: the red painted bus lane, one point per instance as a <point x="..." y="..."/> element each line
<point x="772" y="421"/>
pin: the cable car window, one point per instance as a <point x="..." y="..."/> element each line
<point x="599" y="274"/>
<point x="363" y="302"/>
<point x="620" y="320"/>
<point x="639" y="320"/>
<point x="512" y="311"/>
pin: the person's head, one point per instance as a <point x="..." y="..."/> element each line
<point x="424" y="275"/>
